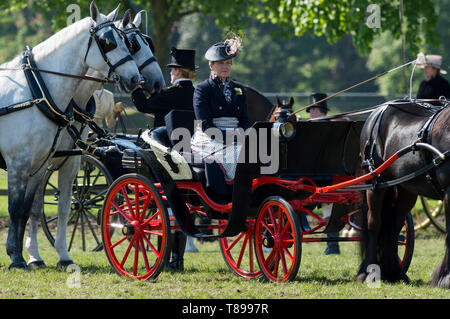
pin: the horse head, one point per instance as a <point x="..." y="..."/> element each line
<point x="107" y="51"/>
<point x="282" y="105"/>
<point x="142" y="48"/>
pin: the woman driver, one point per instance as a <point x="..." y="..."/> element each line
<point x="220" y="104"/>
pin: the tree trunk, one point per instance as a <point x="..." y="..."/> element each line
<point x="162" y="29"/>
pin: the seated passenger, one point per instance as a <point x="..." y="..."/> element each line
<point x="219" y="103"/>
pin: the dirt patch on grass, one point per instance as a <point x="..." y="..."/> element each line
<point x="4" y="222"/>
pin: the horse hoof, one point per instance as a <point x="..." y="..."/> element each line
<point x="361" y="277"/>
<point x="64" y="263"/>
<point x="37" y="264"/>
<point x="443" y="282"/>
<point x="19" y="265"/>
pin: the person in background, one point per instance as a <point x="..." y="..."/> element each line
<point x="316" y="111"/>
<point x="434" y="86"/>
<point x="178" y="96"/>
<point x="105" y="109"/>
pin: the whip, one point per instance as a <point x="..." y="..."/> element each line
<point x="420" y="60"/>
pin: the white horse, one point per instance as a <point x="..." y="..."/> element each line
<point x="68" y="170"/>
<point x="27" y="147"/>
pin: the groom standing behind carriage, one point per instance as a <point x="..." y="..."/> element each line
<point x="176" y="97"/>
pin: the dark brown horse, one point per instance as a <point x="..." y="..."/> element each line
<point x="391" y="127"/>
<point x="259" y="107"/>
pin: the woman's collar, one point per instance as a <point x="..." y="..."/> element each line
<point x="180" y="79"/>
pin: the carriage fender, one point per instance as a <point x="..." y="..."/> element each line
<point x="171" y="191"/>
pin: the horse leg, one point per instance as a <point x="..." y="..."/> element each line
<point x="441" y="275"/>
<point x="16" y="195"/>
<point x="66" y="176"/>
<point x="371" y="228"/>
<point x="392" y="223"/>
<point x="31" y="244"/>
<point x="20" y="196"/>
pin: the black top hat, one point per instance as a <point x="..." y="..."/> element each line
<point x="219" y="52"/>
<point x="317" y="97"/>
<point x="181" y="58"/>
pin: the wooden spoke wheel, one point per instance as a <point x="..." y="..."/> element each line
<point x="406" y="243"/>
<point x="278" y="242"/>
<point x="435" y="212"/>
<point x="88" y="193"/>
<point x="138" y="246"/>
<point x="238" y="252"/>
<point x="420" y="218"/>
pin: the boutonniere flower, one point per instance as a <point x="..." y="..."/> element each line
<point x="238" y="91"/>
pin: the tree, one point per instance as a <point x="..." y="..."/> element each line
<point x="336" y="18"/>
<point x="332" y="19"/>
<point x="164" y="14"/>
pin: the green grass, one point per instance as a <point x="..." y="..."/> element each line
<point x="207" y="276"/>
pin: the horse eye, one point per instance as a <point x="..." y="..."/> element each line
<point x="107" y="41"/>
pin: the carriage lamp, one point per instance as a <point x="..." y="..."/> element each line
<point x="283" y="127"/>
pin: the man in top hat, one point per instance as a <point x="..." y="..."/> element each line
<point x="178" y="96"/>
<point x="318" y="109"/>
<point x="434" y="86"/>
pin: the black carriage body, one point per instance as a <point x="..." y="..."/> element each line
<point x="320" y="150"/>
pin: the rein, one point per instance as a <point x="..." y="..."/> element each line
<point x="79" y="77"/>
<point x="352" y="87"/>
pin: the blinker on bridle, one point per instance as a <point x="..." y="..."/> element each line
<point x="106" y="43"/>
<point x="134" y="46"/>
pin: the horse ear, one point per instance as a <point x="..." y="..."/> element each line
<point x="138" y="19"/>
<point x="126" y="18"/>
<point x="113" y="15"/>
<point x="291" y="101"/>
<point x="278" y="102"/>
<point x="94" y="11"/>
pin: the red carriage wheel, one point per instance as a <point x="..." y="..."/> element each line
<point x="406" y="243"/>
<point x="238" y="252"/>
<point x="135" y="210"/>
<point x="278" y="242"/>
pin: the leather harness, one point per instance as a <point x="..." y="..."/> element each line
<point x="423" y="138"/>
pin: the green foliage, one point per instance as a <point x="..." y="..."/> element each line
<point x="383" y="57"/>
<point x="336" y="18"/>
<point x="20" y="28"/>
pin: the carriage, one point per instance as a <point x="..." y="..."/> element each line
<point x="262" y="227"/>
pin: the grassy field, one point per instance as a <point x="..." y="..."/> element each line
<point x="207" y="276"/>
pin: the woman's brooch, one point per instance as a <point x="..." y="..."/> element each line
<point x="238" y="91"/>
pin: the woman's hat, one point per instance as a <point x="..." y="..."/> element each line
<point x="182" y="58"/>
<point x="433" y="60"/>
<point x="225" y="50"/>
<point x="317" y="97"/>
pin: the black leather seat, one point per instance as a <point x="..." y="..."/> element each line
<point x="179" y="118"/>
<point x="159" y="134"/>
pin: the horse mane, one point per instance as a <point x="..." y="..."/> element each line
<point x="65" y="35"/>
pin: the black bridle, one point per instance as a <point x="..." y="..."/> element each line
<point x="134" y="46"/>
<point x="106" y="43"/>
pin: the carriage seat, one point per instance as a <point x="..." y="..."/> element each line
<point x="179" y="118"/>
<point x="159" y="134"/>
